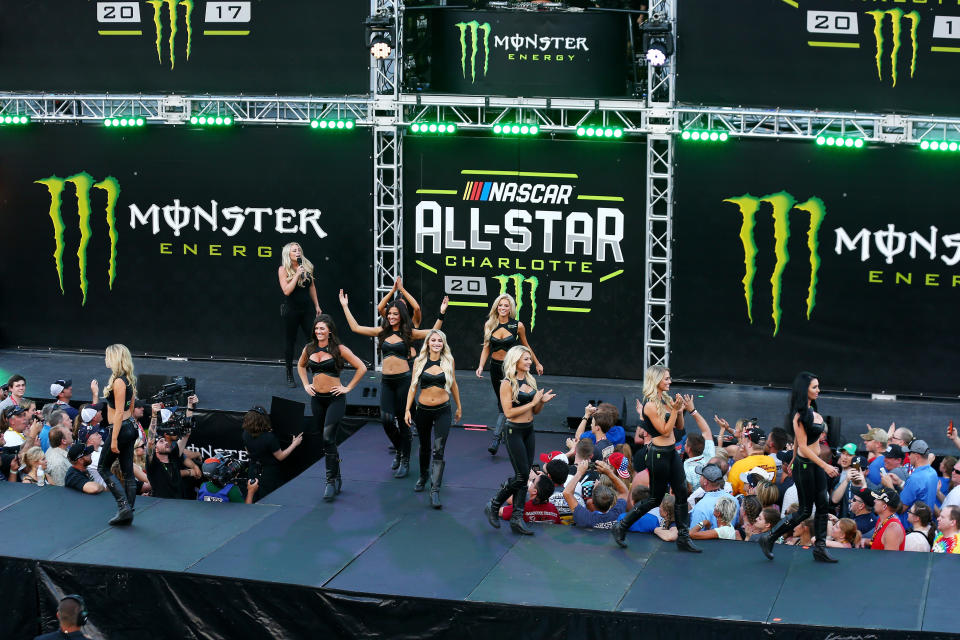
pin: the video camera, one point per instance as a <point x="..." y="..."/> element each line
<point x="232" y="470"/>
<point x="179" y="424"/>
<point x="174" y="393"/>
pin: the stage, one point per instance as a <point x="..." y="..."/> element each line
<point x="378" y="563"/>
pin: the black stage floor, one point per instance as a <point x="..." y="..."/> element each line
<point x="237" y="386"/>
<point x="379" y="563"/>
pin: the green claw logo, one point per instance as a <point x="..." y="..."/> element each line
<point x="474" y="28"/>
<point x="172" y="18"/>
<point x="82" y="183"/>
<point x="518" y="280"/>
<point x="782" y="203"/>
<point x="896" y="16"/>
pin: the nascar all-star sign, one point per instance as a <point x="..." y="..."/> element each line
<point x="557" y="225"/>
<point x="789" y="257"/>
<point x="169" y="240"/>
<point x="844" y="55"/>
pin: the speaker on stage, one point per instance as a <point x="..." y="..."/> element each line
<point x="364" y="400"/>
<point x="834" y="431"/>
<point x="578" y="401"/>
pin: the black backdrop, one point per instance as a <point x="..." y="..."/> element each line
<point x="607" y="341"/>
<point x="760" y="55"/>
<point x="869" y="329"/>
<point x="165" y="299"/>
<point x="293" y="47"/>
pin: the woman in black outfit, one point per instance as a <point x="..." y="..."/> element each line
<point x="663" y="461"/>
<point x="502" y="331"/>
<point x="300" y="304"/>
<point x="395" y="339"/>
<point x="520" y="400"/>
<point x="120" y="394"/>
<point x="264" y="450"/>
<point x="809" y="471"/>
<point x="325" y="357"/>
<point x="433" y="375"/>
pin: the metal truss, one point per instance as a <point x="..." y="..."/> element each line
<point x="658" y="256"/>
<point x="661" y="80"/>
<point x="385" y="75"/>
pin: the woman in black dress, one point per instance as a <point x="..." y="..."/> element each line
<point x="300" y="304"/>
<point x="809" y="470"/>
<point x="264" y="450"/>
<point x="122" y="435"/>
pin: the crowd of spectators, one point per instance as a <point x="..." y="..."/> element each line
<point x="891" y="493"/>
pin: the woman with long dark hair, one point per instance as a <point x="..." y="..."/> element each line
<point x="521" y="400"/>
<point x="264" y="450"/>
<point x="325" y="358"/>
<point x="433" y="375"/>
<point x="300" y="304"/>
<point x="809" y="470"/>
<point x="408" y="301"/>
<point x="395" y="337"/>
<point x="501" y="332"/>
<point x="659" y="416"/>
<point x="121" y="391"/>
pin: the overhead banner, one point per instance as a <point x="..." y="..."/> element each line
<point x="557" y="225"/>
<point x="294" y="47"/>
<point x="842" y="55"/>
<point x="169" y="240"/>
<point x="545" y="53"/>
<point x="791" y="257"/>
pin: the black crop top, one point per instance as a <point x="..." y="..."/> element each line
<point x="503" y="344"/>
<point x="326" y="367"/>
<point x="111" y="402"/>
<point x="523" y="397"/>
<point x="813" y="429"/>
<point x="394" y="349"/>
<point x="647" y="426"/>
<point x="438" y="380"/>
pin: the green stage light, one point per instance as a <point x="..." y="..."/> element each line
<point x="314" y="124"/>
<point x="520" y="129"/>
<point x="203" y="120"/>
<point x="589" y="132"/>
<point x="695" y="135"/>
<point x="194" y="120"/>
<point x="953" y="146"/>
<point x="107" y="122"/>
<point x="216" y="121"/>
<point x="219" y="120"/>
<point x="424" y="127"/>
<point x="341" y="124"/>
<point x="433" y="128"/>
<point x="534" y="130"/>
<point x="925" y="145"/>
<point x="140" y="122"/>
<point x="618" y="133"/>
<point x="497" y="128"/>
<point x="840" y="141"/>
<point x="705" y="135"/>
<point x="830" y="142"/>
<point x="685" y="135"/>
<point x="581" y="131"/>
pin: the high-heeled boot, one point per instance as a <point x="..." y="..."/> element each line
<point x="681" y="516"/>
<point x="492" y="508"/>
<point x="766" y="540"/>
<point x="436" y="478"/>
<point x="497" y="435"/>
<point x="404" y="467"/>
<point x="290" y="382"/>
<point x="517" y="524"/>
<point x="820" y="544"/>
<point x="130" y="488"/>
<point x="333" y="477"/>
<point x="124" y="512"/>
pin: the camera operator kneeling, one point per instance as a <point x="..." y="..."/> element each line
<point x="221" y="481"/>
<point x="165" y="464"/>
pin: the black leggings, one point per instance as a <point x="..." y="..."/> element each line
<point x="496" y="376"/>
<point x="295" y="319"/>
<point x="125" y="441"/>
<point x="393" y="405"/>
<point x="327" y="411"/>
<point x="666" y="468"/>
<point x="435" y="420"/>
<point x="520" y="447"/>
<point x="811" y="484"/>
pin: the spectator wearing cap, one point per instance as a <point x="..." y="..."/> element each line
<point x="62" y="391"/>
<point x="538" y="507"/>
<point x="724" y="512"/>
<point x="922" y="484"/>
<point x="753" y="441"/>
<point x="952" y="498"/>
<point x="751" y="479"/>
<point x="16" y="388"/>
<point x="893" y="465"/>
<point x="711" y="481"/>
<point x="850" y="479"/>
<point x="604" y="506"/>
<point x="57" y="463"/>
<point x="89" y="421"/>
<point x="875" y="442"/>
<point x="889" y="534"/>
<point x="78" y="477"/>
<point x="699" y="447"/>
<point x="861" y="511"/>
<point x="15" y="422"/>
<point x="948" y="539"/>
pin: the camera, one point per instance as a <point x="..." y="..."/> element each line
<point x="178" y="425"/>
<point x="230" y="470"/>
<point x="174" y="393"/>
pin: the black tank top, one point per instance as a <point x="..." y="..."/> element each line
<point x="112" y="402"/>
<point x="647" y="426"/>
<point x="504" y="344"/>
<point x="326" y="367"/>
<point x="524" y="397"/>
<point x="438" y="380"/>
<point x="813" y="429"/>
<point x="300" y="296"/>
<point x="394" y="349"/>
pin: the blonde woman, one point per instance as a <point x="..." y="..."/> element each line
<point x="520" y="400"/>
<point x="121" y="391"/>
<point x="661" y="417"/>
<point x="300" y="304"/>
<point x="34" y="466"/>
<point x="433" y="374"/>
<point x="501" y="332"/>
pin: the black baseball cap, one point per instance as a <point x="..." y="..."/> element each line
<point x="78" y="450"/>
<point x="889" y="496"/>
<point x="14" y="410"/>
<point x="894" y="451"/>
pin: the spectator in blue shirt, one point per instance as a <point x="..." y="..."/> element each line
<point x="712" y="481"/>
<point x="922" y="484"/>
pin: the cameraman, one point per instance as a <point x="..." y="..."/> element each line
<point x="165" y="464"/>
<point x="221" y="478"/>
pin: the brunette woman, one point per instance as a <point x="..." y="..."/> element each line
<point x="412" y="308"/>
<point x="325" y="358"/>
<point x="433" y="375"/>
<point x="809" y="470"/>
<point x="662" y="418"/>
<point x="264" y="450"/>
<point x="520" y="400"/>
<point x="122" y="432"/>
<point x="395" y="337"/>
<point x="501" y="332"/>
<point x="300" y="304"/>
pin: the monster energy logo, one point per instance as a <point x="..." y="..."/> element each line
<point x="782" y="203"/>
<point x="82" y="183"/>
<point x="518" y="280"/>
<point x="896" y="16"/>
<point x="172" y="19"/>
<point x="474" y="28"/>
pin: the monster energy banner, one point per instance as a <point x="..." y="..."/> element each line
<point x="533" y="54"/>
<point x="293" y="47"/>
<point x="790" y="257"/>
<point x="864" y="55"/>
<point x="557" y="225"/>
<point x="169" y="240"/>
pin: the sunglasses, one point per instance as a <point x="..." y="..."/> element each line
<point x="955" y="470"/>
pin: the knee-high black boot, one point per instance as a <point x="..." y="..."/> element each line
<point x="620" y="527"/>
<point x="331" y="489"/>
<point x="497" y="435"/>
<point x="403" y="468"/>
<point x="492" y="508"/>
<point x="436" y="478"/>
<point x="130" y="488"/>
<point x="820" y="531"/>
<point x="767" y="539"/>
<point x="124" y="512"/>
<point x="517" y="525"/>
